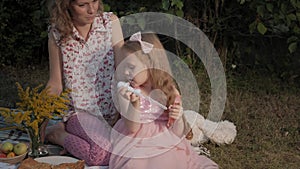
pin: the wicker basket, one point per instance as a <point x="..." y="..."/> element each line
<point x="13" y="160"/>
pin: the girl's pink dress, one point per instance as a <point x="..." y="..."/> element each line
<point x="154" y="146"/>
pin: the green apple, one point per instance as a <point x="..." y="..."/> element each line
<point x="6" y="147"/>
<point x="20" y="148"/>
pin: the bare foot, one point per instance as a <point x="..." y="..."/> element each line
<point x="43" y="130"/>
<point x="63" y="152"/>
<point x="56" y="134"/>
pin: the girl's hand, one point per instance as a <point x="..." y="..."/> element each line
<point x="132" y="97"/>
<point x="130" y="112"/>
<point x="175" y="111"/>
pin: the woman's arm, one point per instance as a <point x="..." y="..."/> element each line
<point x="117" y="38"/>
<point x="55" y="77"/>
<point x="55" y="66"/>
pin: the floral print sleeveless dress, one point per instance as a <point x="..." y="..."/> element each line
<point x="88" y="68"/>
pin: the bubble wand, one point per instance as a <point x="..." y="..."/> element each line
<point x="139" y="93"/>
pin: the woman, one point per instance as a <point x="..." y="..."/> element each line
<point x="84" y="45"/>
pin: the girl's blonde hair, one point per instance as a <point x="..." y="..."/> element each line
<point x="159" y="70"/>
<point x="61" y="17"/>
<point x="157" y="63"/>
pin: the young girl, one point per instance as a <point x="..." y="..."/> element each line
<point x="152" y="129"/>
<point x="83" y="50"/>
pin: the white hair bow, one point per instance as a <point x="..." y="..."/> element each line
<point x="146" y="47"/>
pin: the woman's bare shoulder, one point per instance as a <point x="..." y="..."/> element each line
<point x="113" y="17"/>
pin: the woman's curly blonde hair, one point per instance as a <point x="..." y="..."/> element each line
<point x="61" y="18"/>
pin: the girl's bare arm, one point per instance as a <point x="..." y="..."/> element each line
<point x="129" y="104"/>
<point x="176" y="113"/>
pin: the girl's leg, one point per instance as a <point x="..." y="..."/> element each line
<point x="88" y="139"/>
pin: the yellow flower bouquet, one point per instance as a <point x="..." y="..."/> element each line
<point x="35" y="107"/>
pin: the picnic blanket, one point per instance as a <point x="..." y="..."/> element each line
<point x="9" y="133"/>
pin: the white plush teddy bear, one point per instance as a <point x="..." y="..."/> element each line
<point x="222" y="132"/>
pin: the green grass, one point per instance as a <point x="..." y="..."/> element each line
<point x="268" y="131"/>
<point x="265" y="111"/>
<point x="267" y="116"/>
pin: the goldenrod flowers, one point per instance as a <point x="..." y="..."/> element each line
<point x="35" y="107"/>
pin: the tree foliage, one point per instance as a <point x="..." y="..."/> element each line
<point x="252" y="34"/>
<point x="248" y="34"/>
<point x="23" y="30"/>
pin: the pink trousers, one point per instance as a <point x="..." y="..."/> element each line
<point x="88" y="139"/>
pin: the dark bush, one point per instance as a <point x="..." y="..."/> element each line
<point x="23" y="32"/>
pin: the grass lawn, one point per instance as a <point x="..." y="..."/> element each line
<point x="266" y="113"/>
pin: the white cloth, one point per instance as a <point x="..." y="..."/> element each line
<point x="8" y="166"/>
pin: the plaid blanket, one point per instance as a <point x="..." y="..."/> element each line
<point x="8" y="132"/>
<point x="14" y="136"/>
